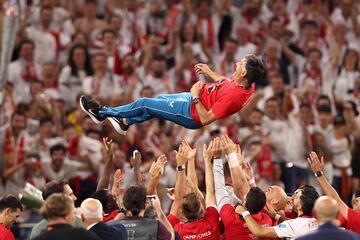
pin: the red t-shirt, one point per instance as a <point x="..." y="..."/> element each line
<point x="353" y="221"/>
<point x="236" y="228"/>
<point x="6" y="234"/>
<point x="223" y="97"/>
<point x="206" y="228"/>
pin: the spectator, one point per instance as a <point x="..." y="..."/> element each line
<point x="10" y="209"/>
<point x="91" y="215"/>
<point x="326" y="211"/>
<point x="59" y="211"/>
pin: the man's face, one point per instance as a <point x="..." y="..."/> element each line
<point x="129" y="64"/>
<point x="276" y="196"/>
<point x="277" y="29"/>
<point x="240" y="70"/>
<point x="355" y="202"/>
<point x="11" y="217"/>
<point x="158" y="68"/>
<point x="272" y="109"/>
<point x="47" y="129"/>
<point x="115" y="23"/>
<point x="325" y="118"/>
<point x="49" y="71"/>
<point x="109" y="39"/>
<point x="314" y="59"/>
<point x="58" y="158"/>
<point x="27" y="52"/>
<point x="119" y="158"/>
<point x="46" y="18"/>
<point x="18" y="122"/>
<point x="255" y="118"/>
<point x="69" y="192"/>
<point x="305" y="115"/>
<point x="297" y="201"/>
<point x="99" y="63"/>
<point x="230" y="50"/>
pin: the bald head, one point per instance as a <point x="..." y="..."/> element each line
<point x="91" y="209"/>
<point x="276" y="197"/>
<point x="326" y="209"/>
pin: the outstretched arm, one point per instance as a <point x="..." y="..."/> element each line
<point x="205" y="70"/>
<point x="317" y="166"/>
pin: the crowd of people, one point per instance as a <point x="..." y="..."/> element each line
<point x="117" y="51"/>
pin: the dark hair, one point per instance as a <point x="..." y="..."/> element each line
<point x="106" y="199"/>
<point x="345" y="55"/>
<point x="232" y="40"/>
<point x="305" y="105"/>
<point x="191" y="206"/>
<point x="46" y="119"/>
<point x="255" y="200"/>
<point x="57" y="147"/>
<point x="324" y="109"/>
<point x="44" y="8"/>
<point x="53" y="187"/>
<point x="91" y="2"/>
<point x="159" y="57"/>
<point x="314" y="49"/>
<point x="254" y="68"/>
<point x="88" y="68"/>
<point x="308" y="198"/>
<point x="26" y="41"/>
<point x="310" y="23"/>
<point x="108" y="30"/>
<point x="22" y="108"/>
<point x="11" y="202"/>
<point x="323" y="97"/>
<point x="181" y="32"/>
<point x="353" y="107"/>
<point x="273" y="98"/>
<point x="134" y="199"/>
<point x="274" y="19"/>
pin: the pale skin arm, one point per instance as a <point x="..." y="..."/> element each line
<point x="254" y="227"/>
<point x="191" y="170"/>
<point x="214" y="149"/>
<point x="204" y="69"/>
<point x="157" y="206"/>
<point x="317" y="165"/>
<point x="206" y="116"/>
<point x="156" y="171"/>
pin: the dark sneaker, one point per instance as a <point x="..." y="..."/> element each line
<point x="91" y="108"/>
<point x="119" y="125"/>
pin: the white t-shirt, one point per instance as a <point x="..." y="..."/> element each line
<point x="295" y="227"/>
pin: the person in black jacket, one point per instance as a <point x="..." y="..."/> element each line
<point x="91" y="214"/>
<point x="59" y="211"/>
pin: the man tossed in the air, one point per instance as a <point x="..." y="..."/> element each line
<point x="206" y="103"/>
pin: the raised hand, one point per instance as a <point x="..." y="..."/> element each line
<point x="195" y="89"/>
<point x="135" y="160"/>
<point x="190" y="151"/>
<point x="157" y="167"/>
<point x="316" y="165"/>
<point x="239" y="154"/>
<point x="109" y="147"/>
<point x="228" y="145"/>
<point x="202" y="68"/>
<point x="248" y="170"/>
<point x="118" y="179"/>
<point x="182" y="154"/>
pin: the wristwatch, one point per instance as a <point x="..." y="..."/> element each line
<point x="318" y="174"/>
<point x="180" y="168"/>
<point x="196" y="100"/>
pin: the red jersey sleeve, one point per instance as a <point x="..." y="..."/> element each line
<point x="173" y="219"/>
<point x="228" y="214"/>
<point x="353" y="221"/>
<point x="212" y="216"/>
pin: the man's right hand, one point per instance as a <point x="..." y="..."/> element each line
<point x="202" y="68"/>
<point x="316" y="165"/>
<point x="182" y="155"/>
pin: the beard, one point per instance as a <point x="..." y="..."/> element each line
<point x="158" y="73"/>
<point x="129" y="70"/>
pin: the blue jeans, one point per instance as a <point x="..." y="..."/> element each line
<point x="172" y="107"/>
<point x="292" y="176"/>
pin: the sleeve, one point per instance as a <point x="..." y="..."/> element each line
<point x="222" y="108"/>
<point x="163" y="233"/>
<point x="228" y="214"/>
<point x="173" y="219"/>
<point x="212" y="216"/>
<point x="285" y="229"/>
<point x="221" y="193"/>
<point x="353" y="221"/>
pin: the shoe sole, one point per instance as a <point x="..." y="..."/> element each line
<point x="116" y="126"/>
<point x="89" y="113"/>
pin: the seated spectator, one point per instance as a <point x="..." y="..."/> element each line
<point x="10" y="209"/>
<point x="59" y="211"/>
<point x="91" y="215"/>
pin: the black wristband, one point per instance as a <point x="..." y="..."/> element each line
<point x="318" y="174"/>
<point x="180" y="168"/>
<point x="196" y="100"/>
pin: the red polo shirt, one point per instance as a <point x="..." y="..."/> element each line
<point x="6" y="234"/>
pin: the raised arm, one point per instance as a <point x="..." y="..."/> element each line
<point x="180" y="184"/>
<point x="204" y="69"/>
<point x="317" y="166"/>
<point x="155" y="202"/>
<point x="191" y="170"/>
<point x="240" y="183"/>
<point x="256" y="229"/>
<point x="109" y="166"/>
<point x="208" y="154"/>
<point x="156" y="171"/>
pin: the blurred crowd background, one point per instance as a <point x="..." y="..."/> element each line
<point x="117" y="51"/>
